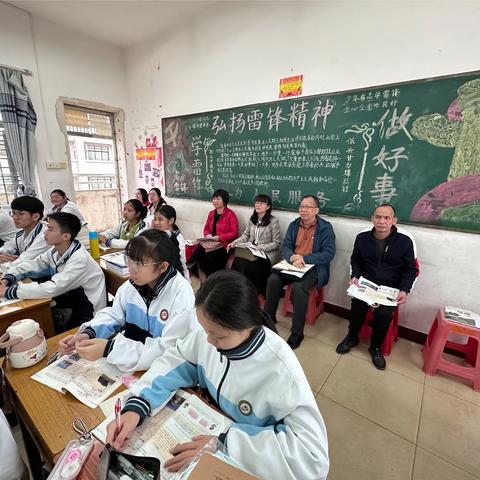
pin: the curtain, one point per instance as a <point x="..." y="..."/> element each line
<point x="20" y="121"/>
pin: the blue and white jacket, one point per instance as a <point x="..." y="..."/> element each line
<point x="278" y="432"/>
<point x="146" y="322"/>
<point x="75" y="269"/>
<point x="27" y="247"/>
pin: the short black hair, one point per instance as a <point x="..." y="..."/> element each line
<point x="317" y="203"/>
<point x="28" y="204"/>
<point x="385" y="205"/>
<point x="223" y="194"/>
<point x="144" y="194"/>
<point x="67" y="222"/>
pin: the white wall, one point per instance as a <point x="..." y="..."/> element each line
<point x="235" y="53"/>
<point x="64" y="64"/>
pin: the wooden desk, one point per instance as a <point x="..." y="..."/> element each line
<point x="38" y="309"/>
<point x="46" y="415"/>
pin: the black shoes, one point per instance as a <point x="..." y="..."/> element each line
<point x="294" y="340"/>
<point x="346" y="345"/>
<point x="377" y="358"/>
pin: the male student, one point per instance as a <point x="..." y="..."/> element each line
<point x="29" y="242"/>
<point x="309" y="240"/>
<point x="7" y="227"/>
<point x="385" y="255"/>
<point x="77" y="284"/>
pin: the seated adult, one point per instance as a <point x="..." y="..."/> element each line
<point x="156" y="200"/>
<point x="309" y="240"/>
<point x="263" y="231"/>
<point x="385" y="255"/>
<point x="132" y="224"/>
<point x="61" y="203"/>
<point x="221" y="227"/>
<point x="142" y="195"/>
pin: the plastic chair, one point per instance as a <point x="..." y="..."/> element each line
<point x="315" y="304"/>
<point x="437" y="341"/>
<point x="390" y="337"/>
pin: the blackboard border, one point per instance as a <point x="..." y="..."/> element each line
<point x="339" y="215"/>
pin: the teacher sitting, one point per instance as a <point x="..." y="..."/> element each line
<point x="220" y="229"/>
<point x="263" y="235"/>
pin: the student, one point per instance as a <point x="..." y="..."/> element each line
<point x="7" y="227"/>
<point x="263" y="231"/>
<point x="132" y="224"/>
<point x="164" y="219"/>
<point x="61" y="203"/>
<point x="254" y="378"/>
<point x="309" y="239"/>
<point x="222" y="226"/>
<point x="156" y="200"/>
<point x="149" y="313"/>
<point x="29" y="242"/>
<point x="13" y="467"/>
<point x="77" y="283"/>
<point x="142" y="195"/>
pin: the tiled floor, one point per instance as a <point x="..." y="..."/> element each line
<point x="396" y="424"/>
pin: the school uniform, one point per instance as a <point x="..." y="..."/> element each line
<point x="13" y="467"/>
<point x="68" y="207"/>
<point x="119" y="236"/>
<point x="77" y="284"/>
<point x="181" y="245"/>
<point x="278" y="432"/>
<point x="7" y="227"/>
<point x="146" y="322"/>
<point x="26" y="246"/>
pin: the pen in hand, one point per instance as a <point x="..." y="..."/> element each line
<point x="118" y="409"/>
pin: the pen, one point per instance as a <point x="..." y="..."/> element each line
<point x="118" y="409"/>
<point x="56" y="355"/>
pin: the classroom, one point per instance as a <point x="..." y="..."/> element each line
<point x="121" y="90"/>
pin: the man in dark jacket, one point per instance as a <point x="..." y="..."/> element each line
<point x="386" y="256"/>
<point x="309" y="240"/>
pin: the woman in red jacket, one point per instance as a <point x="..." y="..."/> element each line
<point x="222" y="227"/>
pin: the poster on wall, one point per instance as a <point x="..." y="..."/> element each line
<point x="148" y="153"/>
<point x="291" y="86"/>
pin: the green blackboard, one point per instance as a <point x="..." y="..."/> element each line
<point x="414" y="144"/>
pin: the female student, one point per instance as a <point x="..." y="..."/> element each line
<point x="132" y="224"/>
<point x="254" y="378"/>
<point x="263" y="231"/>
<point x="149" y="313"/>
<point x="164" y="219"/>
<point x="142" y="195"/>
<point x="61" y="203"/>
<point x="222" y="227"/>
<point x="156" y="200"/>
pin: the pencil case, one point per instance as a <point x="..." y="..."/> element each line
<point x="113" y="464"/>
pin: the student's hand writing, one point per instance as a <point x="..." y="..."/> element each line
<point x="7" y="257"/>
<point x="184" y="452"/>
<point x="67" y="344"/>
<point x="401" y="297"/>
<point x="91" y="349"/>
<point x="354" y="281"/>
<point x="128" y="423"/>
<point x="102" y="238"/>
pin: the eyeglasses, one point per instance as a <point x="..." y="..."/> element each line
<point x="136" y="266"/>
<point x="259" y="202"/>
<point x="303" y="207"/>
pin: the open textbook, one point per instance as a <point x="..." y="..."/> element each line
<point x="460" y="315"/>
<point x="289" y="269"/>
<point x="249" y="246"/>
<point x="116" y="263"/>
<point x="373" y="294"/>
<point x="90" y="382"/>
<point x="184" y="416"/>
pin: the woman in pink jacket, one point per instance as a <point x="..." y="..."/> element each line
<point x="222" y="227"/>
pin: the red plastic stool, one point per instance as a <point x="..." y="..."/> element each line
<point x="315" y="304"/>
<point x="437" y="341"/>
<point x="392" y="334"/>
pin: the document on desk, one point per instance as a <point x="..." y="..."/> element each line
<point x="184" y="416"/>
<point x="89" y="382"/>
<point x="373" y="294"/>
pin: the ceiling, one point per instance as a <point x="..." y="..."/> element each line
<point x="119" y="22"/>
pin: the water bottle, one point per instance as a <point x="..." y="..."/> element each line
<point x="94" y="247"/>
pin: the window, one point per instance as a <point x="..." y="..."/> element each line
<point x="101" y="182"/>
<point x="97" y="152"/>
<point x="8" y="175"/>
